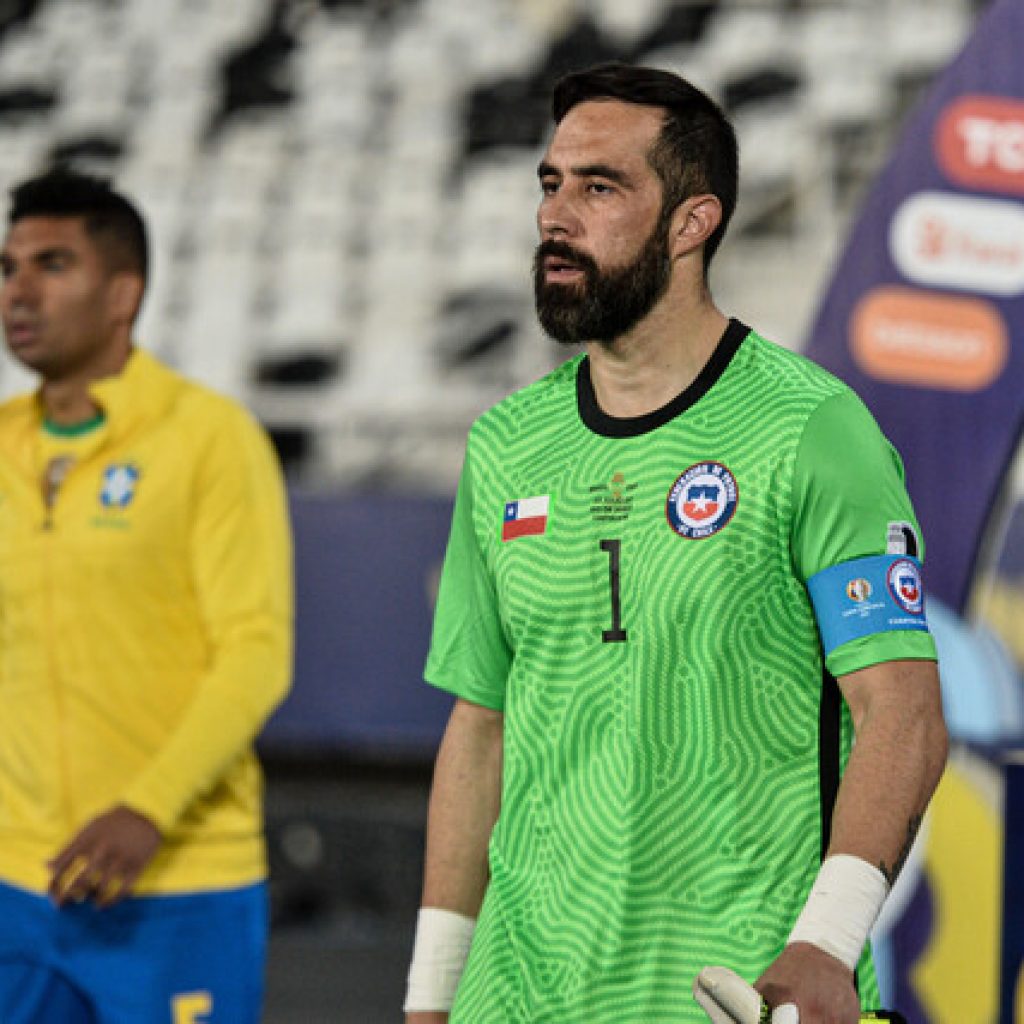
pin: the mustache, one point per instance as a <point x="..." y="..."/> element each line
<point x="563" y="251"/>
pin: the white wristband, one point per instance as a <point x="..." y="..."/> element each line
<point x="842" y="907"/>
<point x="438" y="958"/>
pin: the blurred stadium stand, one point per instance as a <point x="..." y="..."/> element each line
<point x="342" y="192"/>
<point x="341" y="195"/>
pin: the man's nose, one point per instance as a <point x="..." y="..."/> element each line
<point x="557" y="217"/>
<point x="16" y="289"/>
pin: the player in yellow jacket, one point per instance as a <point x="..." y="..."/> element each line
<point x="145" y="636"/>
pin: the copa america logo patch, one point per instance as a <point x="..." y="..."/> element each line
<point x="904" y="581"/>
<point x="702" y="500"/>
<point x="858" y="590"/>
<point x="119" y="483"/>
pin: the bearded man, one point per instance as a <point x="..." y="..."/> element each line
<point x="667" y="607"/>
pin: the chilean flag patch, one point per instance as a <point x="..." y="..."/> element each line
<point x="525" y="517"/>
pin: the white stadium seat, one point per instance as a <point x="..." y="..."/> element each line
<point x="327" y="184"/>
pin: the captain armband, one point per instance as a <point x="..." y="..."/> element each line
<point x="438" y="958"/>
<point x="876" y="594"/>
<point x="842" y="908"/>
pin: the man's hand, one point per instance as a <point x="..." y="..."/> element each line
<point x="426" y="1018"/>
<point x="819" y="985"/>
<point x="727" y="999"/>
<point x="105" y="859"/>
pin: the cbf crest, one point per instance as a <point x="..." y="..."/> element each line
<point x="702" y="500"/>
<point x="118" y="485"/>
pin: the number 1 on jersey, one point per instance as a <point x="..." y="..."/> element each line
<point x="615" y="635"/>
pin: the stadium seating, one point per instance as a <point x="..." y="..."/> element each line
<point x="342" y="192"/>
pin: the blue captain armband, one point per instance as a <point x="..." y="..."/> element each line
<point x="877" y="594"/>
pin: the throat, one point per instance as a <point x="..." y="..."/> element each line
<point x="642" y="374"/>
<point x="68" y="408"/>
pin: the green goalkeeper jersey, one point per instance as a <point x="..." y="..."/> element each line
<point x="632" y="594"/>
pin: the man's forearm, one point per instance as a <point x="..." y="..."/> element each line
<point x="230" y="704"/>
<point x="896" y="763"/>
<point x="464" y="803"/>
<point x="894" y="767"/>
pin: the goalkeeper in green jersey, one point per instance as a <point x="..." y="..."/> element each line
<point x="683" y="575"/>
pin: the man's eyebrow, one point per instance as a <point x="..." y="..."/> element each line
<point x="53" y="250"/>
<point x="587" y="171"/>
<point x="602" y="171"/>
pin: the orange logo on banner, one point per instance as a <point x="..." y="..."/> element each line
<point x="933" y="341"/>
<point x="979" y="141"/>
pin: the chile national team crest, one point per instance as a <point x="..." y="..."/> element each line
<point x="904" y="581"/>
<point x="702" y="500"/>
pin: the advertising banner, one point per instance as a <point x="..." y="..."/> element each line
<point x="924" y="318"/>
<point x="925" y="314"/>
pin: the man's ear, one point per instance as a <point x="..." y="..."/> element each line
<point x="693" y="222"/>
<point x="124" y="296"/>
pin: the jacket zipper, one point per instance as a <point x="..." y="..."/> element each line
<point x="54" y="476"/>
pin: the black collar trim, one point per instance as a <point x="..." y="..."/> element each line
<point x="600" y="422"/>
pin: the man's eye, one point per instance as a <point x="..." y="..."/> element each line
<point x="549" y="187"/>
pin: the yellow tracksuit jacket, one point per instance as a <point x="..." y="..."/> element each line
<point x="145" y="629"/>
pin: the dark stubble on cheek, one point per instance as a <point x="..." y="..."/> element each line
<point x="606" y="304"/>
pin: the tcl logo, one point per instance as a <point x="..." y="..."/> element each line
<point x="980" y="143"/>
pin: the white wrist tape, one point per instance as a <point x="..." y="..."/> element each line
<point x="842" y="907"/>
<point x="438" y="958"/>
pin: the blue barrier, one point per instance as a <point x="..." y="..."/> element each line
<point x="365" y="575"/>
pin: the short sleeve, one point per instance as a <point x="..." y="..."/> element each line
<point x="469" y="652"/>
<point x="850" y="503"/>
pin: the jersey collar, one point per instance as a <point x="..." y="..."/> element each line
<point x="597" y="420"/>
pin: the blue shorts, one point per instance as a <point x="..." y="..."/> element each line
<point x="193" y="959"/>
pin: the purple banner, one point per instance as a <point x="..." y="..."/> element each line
<point x="925" y="315"/>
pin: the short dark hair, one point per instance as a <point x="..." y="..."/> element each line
<point x="695" y="152"/>
<point x="111" y="220"/>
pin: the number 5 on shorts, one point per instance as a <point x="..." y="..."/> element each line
<point x="191" y="1008"/>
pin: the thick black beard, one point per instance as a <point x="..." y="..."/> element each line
<point x="607" y="304"/>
